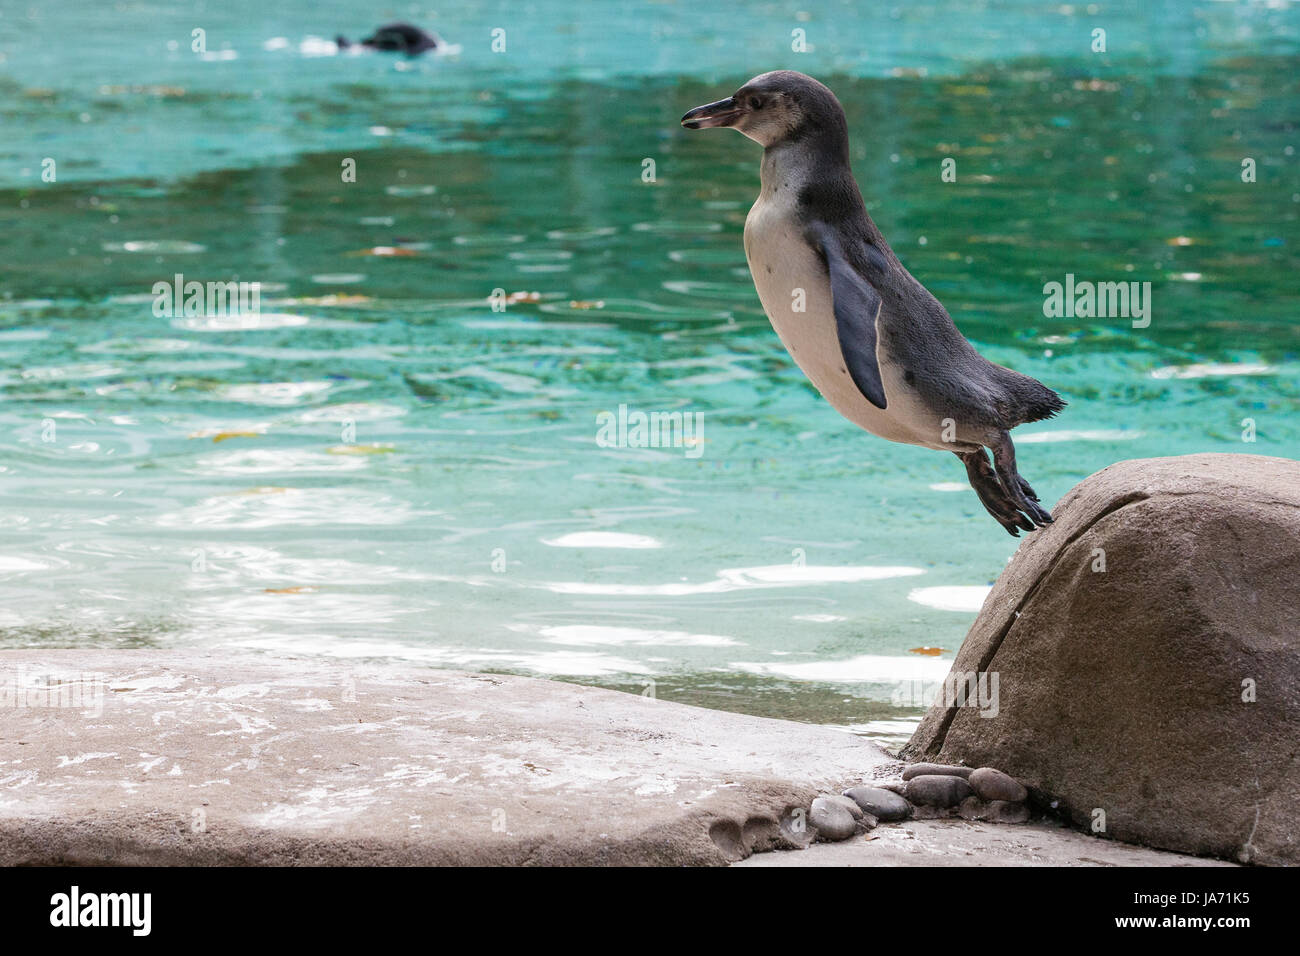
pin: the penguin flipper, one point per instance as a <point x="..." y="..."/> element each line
<point x="857" y="307"/>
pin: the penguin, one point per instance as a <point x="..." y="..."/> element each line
<point x="872" y="340"/>
<point x="397" y="38"/>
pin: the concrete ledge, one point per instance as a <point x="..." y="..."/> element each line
<point x="144" y="757"/>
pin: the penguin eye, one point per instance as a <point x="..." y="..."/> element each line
<point x="756" y="102"/>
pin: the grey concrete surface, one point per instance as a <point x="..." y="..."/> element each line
<point x="146" y="757"/>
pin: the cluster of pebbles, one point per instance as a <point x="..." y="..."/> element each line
<point x="927" y="791"/>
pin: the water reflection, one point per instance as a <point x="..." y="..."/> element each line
<point x="380" y="464"/>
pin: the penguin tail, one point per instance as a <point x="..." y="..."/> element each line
<point x="1044" y="404"/>
<point x="1022" y="398"/>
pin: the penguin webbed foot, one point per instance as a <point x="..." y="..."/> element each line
<point x="991" y="493"/>
<point x="1005" y="495"/>
<point x="1018" y="490"/>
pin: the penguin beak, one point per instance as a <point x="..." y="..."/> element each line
<point x="722" y="113"/>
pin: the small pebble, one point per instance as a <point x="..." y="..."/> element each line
<point x="993" y="811"/>
<point x="934" y="769"/>
<point x="1006" y="812"/>
<point x="936" y="790"/>
<point x="973" y="808"/>
<point x="992" y="784"/>
<point x="931" y="813"/>
<point x="848" y="803"/>
<point x="832" y="820"/>
<point x="881" y="803"/>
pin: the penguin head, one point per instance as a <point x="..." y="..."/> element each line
<point x="774" y="108"/>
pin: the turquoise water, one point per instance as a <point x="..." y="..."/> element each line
<point x="379" y="465"/>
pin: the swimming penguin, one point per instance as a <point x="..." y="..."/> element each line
<point x="875" y="343"/>
<point x="397" y="38"/>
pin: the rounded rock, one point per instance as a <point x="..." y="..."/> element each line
<point x="973" y="808"/>
<point x="832" y="820"/>
<point x="932" y="813"/>
<point x="936" y="790"/>
<point x="935" y="770"/>
<point x="1098" y="660"/>
<point x="993" y="784"/>
<point x="993" y="811"/>
<point x="847" y="802"/>
<point x="1003" y="811"/>
<point x="882" y="804"/>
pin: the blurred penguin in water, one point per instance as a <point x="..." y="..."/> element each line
<point x="397" y="38"/>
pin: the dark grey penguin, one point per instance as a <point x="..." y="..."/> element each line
<point x="397" y="38"/>
<point x="876" y="344"/>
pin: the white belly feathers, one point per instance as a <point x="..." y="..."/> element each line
<point x="781" y="262"/>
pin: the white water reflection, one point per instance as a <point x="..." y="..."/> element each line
<point x="966" y="598"/>
<point x="865" y="668"/>
<point x="603" y="539"/>
<point x="738" y="579"/>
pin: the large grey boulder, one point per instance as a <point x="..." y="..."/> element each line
<point x="1146" y="649"/>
